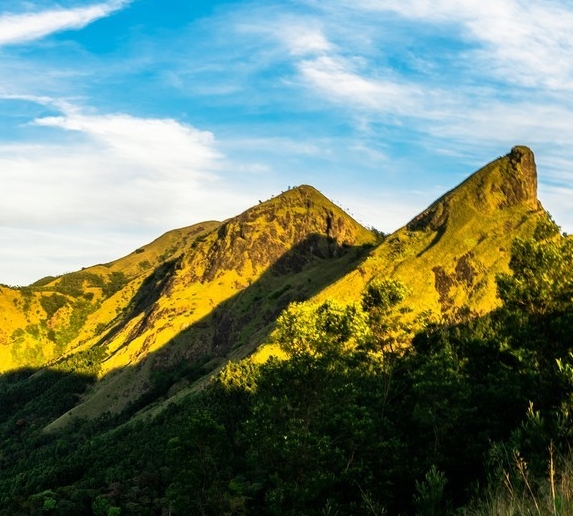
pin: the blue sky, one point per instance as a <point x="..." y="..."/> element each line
<point x="120" y="120"/>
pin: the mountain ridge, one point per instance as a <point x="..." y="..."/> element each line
<point x="173" y="379"/>
<point x="460" y="240"/>
<point x="516" y="184"/>
<point x="206" y="293"/>
<point x="206" y="296"/>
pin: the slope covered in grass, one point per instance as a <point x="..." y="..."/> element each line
<point x="449" y="254"/>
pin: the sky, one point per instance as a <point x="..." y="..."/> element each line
<point x="123" y="119"/>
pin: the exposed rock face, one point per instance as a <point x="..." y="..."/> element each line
<point x="520" y="177"/>
<point x="285" y="233"/>
<point x="433" y="218"/>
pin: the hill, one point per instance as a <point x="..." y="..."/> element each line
<point x="449" y="254"/>
<point x="249" y="366"/>
<point x="194" y="295"/>
<point x="202" y="294"/>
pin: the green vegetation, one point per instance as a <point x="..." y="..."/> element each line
<point x="289" y="361"/>
<point x="51" y="304"/>
<point x="346" y="422"/>
<point x="78" y="316"/>
<point x="116" y="282"/>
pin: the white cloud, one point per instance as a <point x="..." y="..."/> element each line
<point x="280" y="146"/>
<point x="19" y="28"/>
<point x="337" y="78"/>
<point x="438" y="10"/>
<point x="122" y="180"/>
<point x="304" y="38"/>
<point x="28" y="254"/>
<point x="121" y="169"/>
<point x="301" y="36"/>
<point x="524" y="43"/>
<point x="154" y="144"/>
<point x="358" y="76"/>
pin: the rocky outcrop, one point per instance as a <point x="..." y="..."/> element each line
<point x="519" y="177"/>
<point x="283" y="234"/>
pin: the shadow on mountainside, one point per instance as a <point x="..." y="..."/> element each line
<point x="31" y="398"/>
<point x="233" y="328"/>
<point x="149" y="293"/>
<point x="239" y="324"/>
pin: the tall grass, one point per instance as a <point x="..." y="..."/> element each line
<point x="517" y="493"/>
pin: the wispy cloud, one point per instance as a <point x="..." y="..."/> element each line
<point x="522" y="42"/>
<point x="339" y="79"/>
<point x="119" y="169"/>
<point x="332" y="69"/>
<point x="21" y="28"/>
<point x="151" y="144"/>
<point x="504" y="77"/>
<point x="301" y="36"/>
<point x="522" y="46"/>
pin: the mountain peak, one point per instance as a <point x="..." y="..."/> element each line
<point x="504" y="183"/>
<point x="522" y="175"/>
<point x="300" y="218"/>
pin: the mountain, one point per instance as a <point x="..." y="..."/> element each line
<point x="111" y="403"/>
<point x="449" y="254"/>
<point x="196" y="294"/>
<point x="181" y="306"/>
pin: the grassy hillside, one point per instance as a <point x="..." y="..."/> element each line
<point x="448" y="255"/>
<point x="196" y="295"/>
<point x="209" y="292"/>
<point x="43" y="321"/>
<point x="110" y="406"/>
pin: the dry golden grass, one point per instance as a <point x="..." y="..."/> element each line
<point x="520" y="495"/>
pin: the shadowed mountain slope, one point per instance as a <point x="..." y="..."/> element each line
<point x="194" y="296"/>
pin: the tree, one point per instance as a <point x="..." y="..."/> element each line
<point x="380" y="300"/>
<point x="540" y="281"/>
<point x="326" y="329"/>
<point x="200" y="455"/>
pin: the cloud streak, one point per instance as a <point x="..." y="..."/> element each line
<point x="21" y="28"/>
<point x="516" y="90"/>
<point x="524" y="43"/>
<point x="341" y="82"/>
<point x="502" y="77"/>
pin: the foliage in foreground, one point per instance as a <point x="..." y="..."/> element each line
<point x="350" y="423"/>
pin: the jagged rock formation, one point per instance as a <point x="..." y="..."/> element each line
<point x="506" y="182"/>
